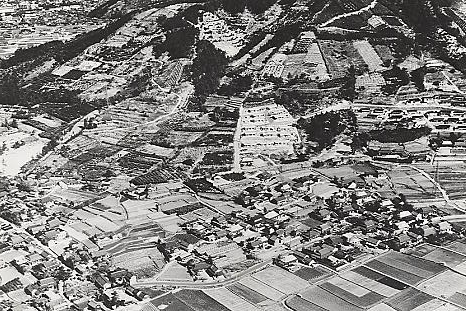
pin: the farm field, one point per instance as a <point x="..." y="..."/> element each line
<point x="446" y="257"/>
<point x="352" y="292"/>
<point x="457" y="246"/>
<point x="451" y="176"/>
<point x="412" y="184"/>
<point x="326" y="300"/>
<point x="261" y="288"/>
<point x="407" y="269"/>
<point x="446" y="284"/>
<point x="371" y="284"/>
<point x="170" y="303"/>
<point x="230" y="300"/>
<point x="409" y="299"/>
<point x="247" y="293"/>
<point x="299" y="304"/>
<point x="312" y="274"/>
<point x="373" y="275"/>
<point x="199" y="301"/>
<point x="281" y="280"/>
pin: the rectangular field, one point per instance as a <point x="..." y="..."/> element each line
<point x="394" y="273"/>
<point x="445" y="284"/>
<point x="312" y="274"/>
<point x="281" y="280"/>
<point x="171" y="303"/>
<point x="199" y="301"/>
<point x="261" y="288"/>
<point x="365" y="300"/>
<point x="404" y="266"/>
<point x="326" y="300"/>
<point x="458" y="247"/>
<point x="368" y="283"/>
<point x="373" y="275"/>
<point x="449" y="258"/>
<point x="299" y="304"/>
<point x="247" y="293"/>
<point x="409" y="299"/>
<point x="230" y="300"/>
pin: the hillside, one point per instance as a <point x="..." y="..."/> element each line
<point x="144" y="38"/>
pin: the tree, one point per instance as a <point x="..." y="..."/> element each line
<point x="9" y="90"/>
<point x="208" y="67"/>
<point x="234" y="6"/>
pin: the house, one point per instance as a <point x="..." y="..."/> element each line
<point x="303" y="258"/>
<point x="322" y="252"/>
<point x="102" y="282"/>
<point x="445" y="227"/>
<point x="214" y="271"/>
<point x="200" y="266"/>
<point x="118" y="276"/>
<point x="47" y="283"/>
<point x="286" y="261"/>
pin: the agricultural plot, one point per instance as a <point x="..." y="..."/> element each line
<point x="382" y="307"/>
<point x="446" y="257"/>
<point x="261" y="288"/>
<point x="281" y="280"/>
<point x="370" y="284"/>
<point x="299" y="304"/>
<point x="368" y="53"/>
<point x="394" y="272"/>
<point x="170" y="303"/>
<point x="458" y="247"/>
<point x="385" y="280"/>
<point x="412" y="184"/>
<point x="409" y="299"/>
<point x="351" y="292"/>
<point x="312" y="274"/>
<point x="446" y="284"/>
<point x="326" y="300"/>
<point x="407" y="269"/>
<point x="452" y="177"/>
<point x="433" y="304"/>
<point x="416" y="266"/>
<point x="247" y="293"/>
<point x="422" y="250"/>
<point x="230" y="300"/>
<point x="199" y="301"/>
